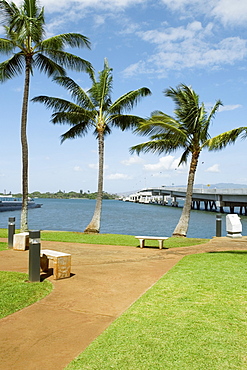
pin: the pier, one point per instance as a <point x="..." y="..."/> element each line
<point x="210" y="199"/>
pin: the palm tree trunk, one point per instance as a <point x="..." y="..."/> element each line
<point x="183" y="223"/>
<point x="24" y="145"/>
<point x="94" y="225"/>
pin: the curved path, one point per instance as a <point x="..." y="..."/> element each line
<point x="105" y="281"/>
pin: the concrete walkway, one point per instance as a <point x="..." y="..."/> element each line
<point x="105" y="281"/>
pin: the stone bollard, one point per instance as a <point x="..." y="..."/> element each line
<point x="233" y="226"/>
<point x="34" y="256"/>
<point x="11" y="231"/>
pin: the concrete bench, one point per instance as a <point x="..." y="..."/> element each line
<point x="61" y="263"/>
<point x="21" y="241"/>
<point x="159" y="238"/>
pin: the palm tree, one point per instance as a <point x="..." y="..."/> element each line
<point x="189" y="131"/>
<point x="24" y="41"/>
<point x="93" y="109"/>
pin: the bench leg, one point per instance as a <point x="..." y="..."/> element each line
<point x="142" y="243"/>
<point x="61" y="267"/>
<point x="161" y="244"/>
<point x="44" y="263"/>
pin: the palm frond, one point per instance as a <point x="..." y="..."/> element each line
<point x="12" y="67"/>
<point x="77" y="93"/>
<point x="158" y="146"/>
<point x="158" y="124"/>
<point x="47" y="65"/>
<point x="209" y="119"/>
<point x="72" y="118"/>
<point x="129" y="100"/>
<point x="6" y="46"/>
<point x="69" y="61"/>
<point x="124" y="121"/>
<point x="59" y="42"/>
<point x="222" y="140"/>
<point x="78" y="130"/>
<point x="8" y="11"/>
<point x="184" y="156"/>
<point x="56" y="103"/>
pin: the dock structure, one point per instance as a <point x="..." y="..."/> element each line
<point x="211" y="199"/>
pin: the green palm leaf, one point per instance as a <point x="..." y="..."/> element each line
<point x="222" y="140"/>
<point x="12" y="67"/>
<point x="77" y="93"/>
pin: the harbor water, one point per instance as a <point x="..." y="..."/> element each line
<point x="117" y="218"/>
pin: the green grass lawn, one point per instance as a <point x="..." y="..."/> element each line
<point x="114" y="239"/>
<point x="16" y="293"/>
<point x="3" y="246"/>
<point x="108" y="239"/>
<point x="193" y="318"/>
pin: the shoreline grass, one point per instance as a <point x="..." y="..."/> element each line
<point x="108" y="239"/>
<point x="193" y="318"/>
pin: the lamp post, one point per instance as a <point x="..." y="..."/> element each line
<point x="34" y="256"/>
<point x="11" y="231"/>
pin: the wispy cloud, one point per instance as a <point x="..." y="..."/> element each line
<point x="168" y="162"/>
<point x="215" y="168"/>
<point x="77" y="169"/>
<point x="230" y="107"/>
<point x="189" y="46"/>
<point x="132" y="160"/>
<point x="118" y="176"/>
<point x="225" y="11"/>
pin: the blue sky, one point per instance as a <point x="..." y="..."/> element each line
<point x="157" y="44"/>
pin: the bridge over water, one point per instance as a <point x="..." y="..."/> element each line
<point x="211" y="199"/>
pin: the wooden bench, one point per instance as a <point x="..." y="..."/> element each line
<point x="21" y="241"/>
<point x="61" y="263"/>
<point x="159" y="238"/>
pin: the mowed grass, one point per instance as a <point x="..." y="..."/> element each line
<point x="3" y="246"/>
<point x="109" y="239"/>
<point x="194" y="318"/>
<point x="114" y="239"/>
<point x="16" y="292"/>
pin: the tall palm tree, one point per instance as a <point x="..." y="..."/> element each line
<point x="187" y="130"/>
<point x="24" y="41"/>
<point x="94" y="109"/>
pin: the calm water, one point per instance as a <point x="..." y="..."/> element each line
<point x="117" y="218"/>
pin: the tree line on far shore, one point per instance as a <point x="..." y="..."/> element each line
<point x="69" y="195"/>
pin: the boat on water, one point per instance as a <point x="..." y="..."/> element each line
<point x="9" y="203"/>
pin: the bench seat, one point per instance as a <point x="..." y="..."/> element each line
<point x="61" y="263"/>
<point x="159" y="238"/>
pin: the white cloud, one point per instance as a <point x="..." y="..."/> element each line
<point x="168" y="162"/>
<point x="118" y="176"/>
<point x="94" y="166"/>
<point x="77" y="169"/>
<point x="60" y="5"/>
<point x="226" y="11"/>
<point x="229" y="107"/>
<point x="187" y="46"/>
<point x="215" y="168"/>
<point x="233" y="12"/>
<point x="132" y="160"/>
